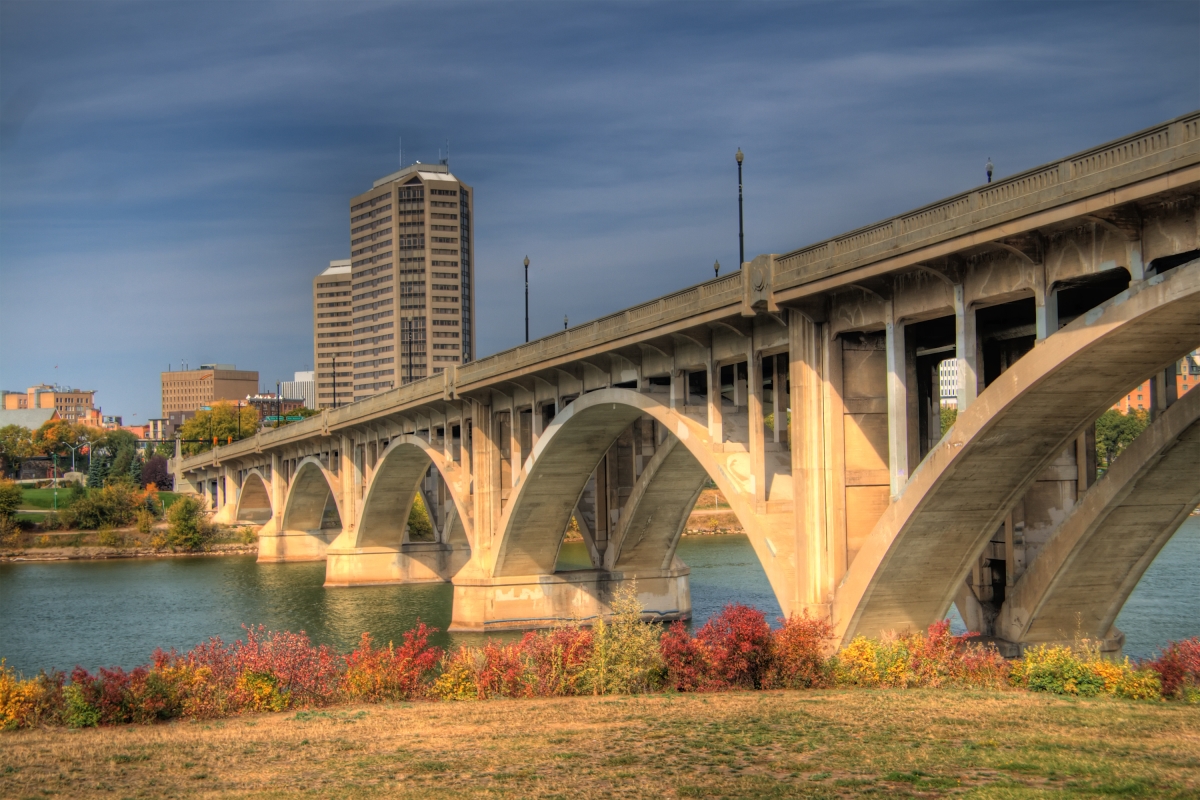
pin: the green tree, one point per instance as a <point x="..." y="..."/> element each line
<point x="420" y="529"/>
<point x="949" y="417"/>
<point x="99" y="469"/>
<point x="53" y="438"/>
<point x="16" y="445"/>
<point x="189" y="527"/>
<point x="10" y="498"/>
<point x="222" y="422"/>
<point x="1116" y="431"/>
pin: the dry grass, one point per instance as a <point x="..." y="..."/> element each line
<point x="766" y="744"/>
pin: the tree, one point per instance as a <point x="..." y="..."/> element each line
<point x="53" y="438"/>
<point x="10" y="498"/>
<point x="949" y="417"/>
<point x="1116" y="431"/>
<point x="99" y="469"/>
<point x="16" y="445"/>
<point x="220" y="422"/>
<point x="155" y="471"/>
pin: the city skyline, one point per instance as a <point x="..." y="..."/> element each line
<point x="183" y="189"/>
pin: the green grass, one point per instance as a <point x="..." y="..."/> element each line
<point x="34" y="499"/>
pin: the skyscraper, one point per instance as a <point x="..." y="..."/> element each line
<point x="331" y="336"/>
<point x="411" y="269"/>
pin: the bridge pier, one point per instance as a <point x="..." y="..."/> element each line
<point x="523" y="602"/>
<point x="412" y="562"/>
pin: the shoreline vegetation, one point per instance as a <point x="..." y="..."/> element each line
<point x="623" y="656"/>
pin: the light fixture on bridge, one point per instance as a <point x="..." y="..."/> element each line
<point x="989" y="169"/>
<point x="717" y="269"/>
<point x="564" y="322"/>
<point x="741" y="230"/>
<point x="526" y="299"/>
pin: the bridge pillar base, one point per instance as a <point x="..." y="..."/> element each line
<point x="542" y="601"/>
<point x="293" y="545"/>
<point x="415" y="562"/>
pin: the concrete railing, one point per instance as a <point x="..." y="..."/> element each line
<point x="1134" y="158"/>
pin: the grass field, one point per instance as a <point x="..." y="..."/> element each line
<point x="43" y="499"/>
<point x="739" y="745"/>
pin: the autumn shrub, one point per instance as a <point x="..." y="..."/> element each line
<point x="30" y="702"/>
<point x="1081" y="671"/>
<point x="10" y="497"/>
<point x="737" y="643"/>
<point x="457" y="680"/>
<point x="932" y="659"/>
<point x="685" y="662"/>
<point x="798" y="654"/>
<point x="107" y="537"/>
<point x="190" y="528"/>
<point x="391" y="673"/>
<point x="304" y="673"/>
<point x="114" y="505"/>
<point x="625" y="657"/>
<point x="10" y="532"/>
<point x="144" y="521"/>
<point x="1178" y="669"/>
<point x="556" y="660"/>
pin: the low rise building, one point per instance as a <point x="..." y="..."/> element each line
<point x="1187" y="376"/>
<point x="72" y="405"/>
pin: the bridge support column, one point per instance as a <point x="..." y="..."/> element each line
<point x="806" y="437"/>
<point x="897" y="400"/>
<point x="270" y="538"/>
<point x="716" y="431"/>
<point x="543" y="601"/>
<point x="485" y="466"/>
<point x="757" y="444"/>
<point x="227" y="511"/>
<point x="1045" y="306"/>
<point x="966" y="348"/>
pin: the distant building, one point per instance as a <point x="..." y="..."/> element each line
<point x="188" y="390"/>
<point x="332" y="336"/>
<point x="304" y="387"/>
<point x="413" y="312"/>
<point x="269" y="404"/>
<point x="948" y="382"/>
<point x="1187" y="376"/>
<point x="72" y="405"/>
<point x="159" y="429"/>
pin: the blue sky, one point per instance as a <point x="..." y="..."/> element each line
<point x="172" y="175"/>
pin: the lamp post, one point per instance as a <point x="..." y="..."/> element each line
<point x="741" y="231"/>
<point x="526" y="298"/>
<point x="564" y="322"/>
<point x="335" y="381"/>
<point x="989" y="169"/>
<point x="716" y="269"/>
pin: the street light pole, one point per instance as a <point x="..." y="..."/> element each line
<point x="526" y="298"/>
<point x="741" y="230"/>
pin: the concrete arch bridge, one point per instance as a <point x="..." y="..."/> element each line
<point x="806" y="385"/>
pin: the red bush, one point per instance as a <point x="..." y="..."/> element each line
<point x="1178" y="667"/>
<point x="307" y="673"/>
<point x="391" y="673"/>
<point x="555" y="660"/>
<point x="798" y="650"/>
<point x="688" y="669"/>
<point x="738" y="645"/>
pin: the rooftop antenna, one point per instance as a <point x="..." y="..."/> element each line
<point x="447" y="151"/>
<point x="401" y="152"/>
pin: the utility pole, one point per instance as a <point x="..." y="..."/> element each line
<point x="527" y="299"/>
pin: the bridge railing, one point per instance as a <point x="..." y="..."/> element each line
<point x="1136" y="157"/>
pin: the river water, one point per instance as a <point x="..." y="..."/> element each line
<point x="101" y="613"/>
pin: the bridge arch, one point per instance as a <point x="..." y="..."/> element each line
<point x="393" y="488"/>
<point x="555" y="474"/>
<point x="1084" y="574"/>
<point x="912" y="563"/>
<point x="254" y="499"/>
<point x="310" y="497"/>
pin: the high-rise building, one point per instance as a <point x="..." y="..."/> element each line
<point x="332" y="336"/>
<point x="412" y="271"/>
<point x="187" y="390"/>
<point x="302" y="387"/>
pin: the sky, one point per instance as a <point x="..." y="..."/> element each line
<point x="173" y="175"/>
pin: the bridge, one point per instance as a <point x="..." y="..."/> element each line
<point x="806" y="386"/>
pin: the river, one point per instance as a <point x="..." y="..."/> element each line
<point x="99" y="613"/>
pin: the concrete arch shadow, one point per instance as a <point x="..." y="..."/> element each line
<point x="1094" y="559"/>
<point x="376" y="549"/>
<point x="909" y="568"/>
<point x="254" y="499"/>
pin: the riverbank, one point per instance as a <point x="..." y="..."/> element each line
<point x="777" y="744"/>
<point x="97" y="552"/>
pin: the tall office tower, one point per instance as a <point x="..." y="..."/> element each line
<point x="332" y="337"/>
<point x="410" y="252"/>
